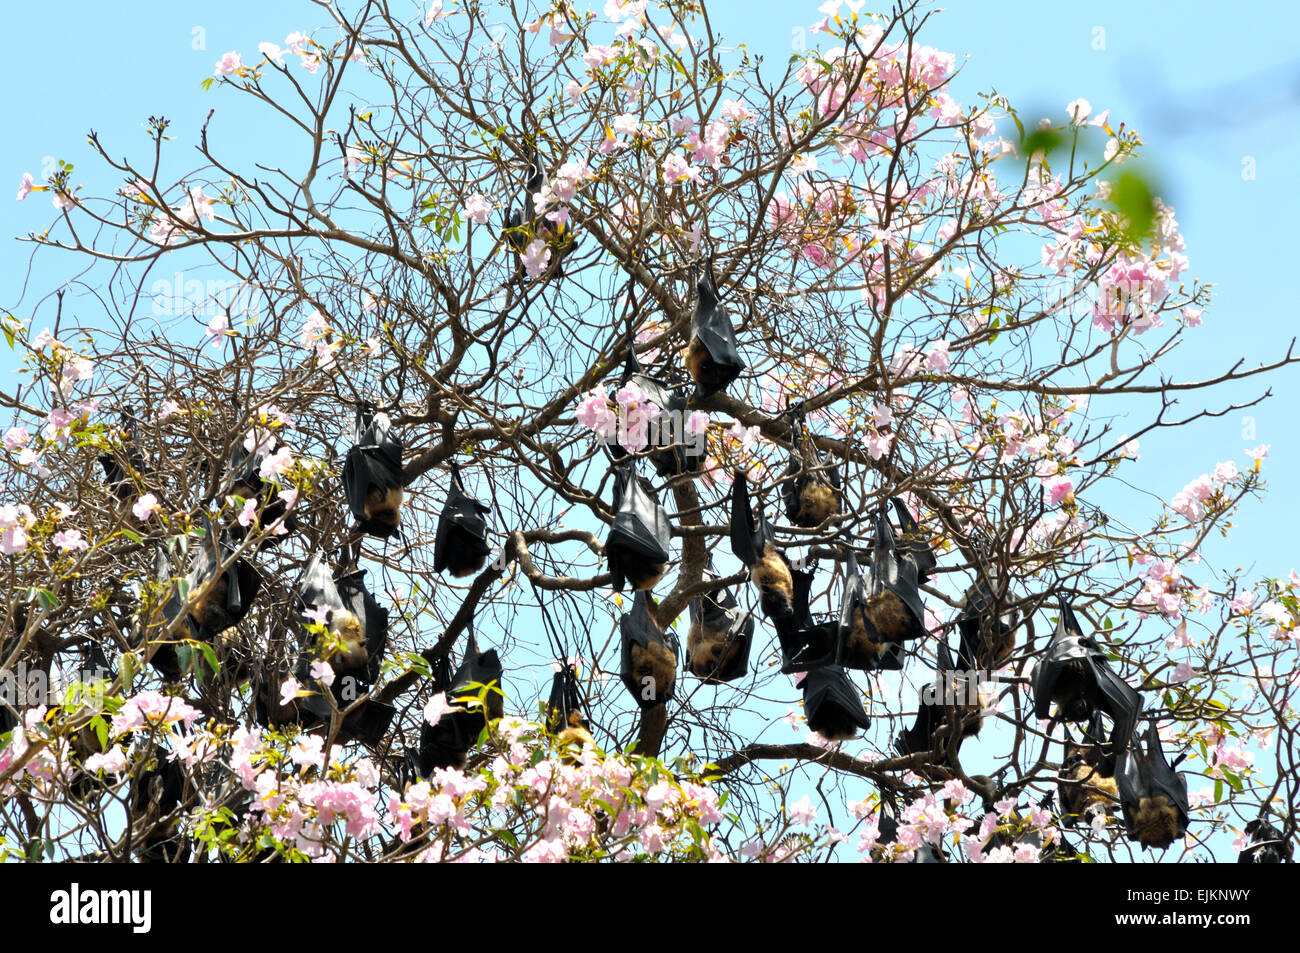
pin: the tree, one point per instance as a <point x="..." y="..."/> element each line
<point x="474" y="217"/>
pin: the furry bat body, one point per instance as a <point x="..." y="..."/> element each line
<point x="832" y="704"/>
<point x="811" y="488"/>
<point x="460" y="545"/>
<point x="1152" y="795"/>
<point x="373" y="475"/>
<point x="711" y="357"/>
<point x="648" y="655"/>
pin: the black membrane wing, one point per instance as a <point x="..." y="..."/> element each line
<point x="372" y="616"/>
<point x="372" y="470"/>
<point x="241" y="585"/>
<point x="1267" y="844"/>
<point x="722" y="615"/>
<point x="638" y="541"/>
<point x="719" y="360"/>
<point x="316" y="588"/>
<point x="894" y="596"/>
<point x="913" y="543"/>
<point x="1143" y="777"/>
<point x="565" y="700"/>
<point x="461" y="540"/>
<point x="987" y="636"/>
<point x="648" y="655"/>
<point x="861" y="645"/>
<point x="832" y="704"/>
<point x="749" y="535"/>
<point x="807" y="644"/>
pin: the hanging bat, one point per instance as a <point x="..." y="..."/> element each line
<point x="460" y="544"/>
<point x="648" y="657"/>
<point x="1075" y="675"/>
<point x="522" y="226"/>
<point x="243" y="479"/>
<point x="806" y="643"/>
<point x="717" y="647"/>
<point x="893" y="606"/>
<point x="639" y="537"/>
<point x="564" y="710"/>
<point x="1267" y="844"/>
<point x="810" y="488"/>
<point x="477" y="670"/>
<point x="832" y="704"/>
<point x="672" y="456"/>
<point x="223" y="598"/>
<point x="441" y="745"/>
<point x="1084" y="791"/>
<point x="711" y="357"/>
<point x="356" y="628"/>
<point x="1152" y="795"/>
<point x="752" y="541"/>
<point x="887" y="827"/>
<point x="987" y="636"/>
<point x="123" y="480"/>
<point x="156" y="793"/>
<point x="372" y="474"/>
<point x="912" y="543"/>
<point x="948" y="712"/>
<point x="862" y="646"/>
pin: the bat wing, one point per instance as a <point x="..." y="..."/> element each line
<point x="1119" y="700"/>
<point x="640" y="523"/>
<point x="317" y="587"/>
<point x="747" y="537"/>
<point x="372" y="616"/>
<point x="463" y="515"/>
<point x="827" y="691"/>
<point x="1066" y="646"/>
<point x="912" y="543"/>
<point x="712" y="325"/>
<point x="898" y="575"/>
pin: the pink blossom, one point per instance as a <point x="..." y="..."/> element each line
<point x="229" y="64"/>
<point x="594" y="413"/>
<point x="289" y="690"/>
<point x="248" y="513"/>
<point x="69" y="539"/>
<point x="936" y="357"/>
<point x="1258" y="454"/>
<point x="1059" y="489"/>
<point x="536" y="258"/>
<point x="1244" y="602"/>
<point x="1191" y="317"/>
<point x="26" y="187"/>
<point x="277" y="464"/>
<point x="307" y="751"/>
<point x="436" y="707"/>
<point x="478" y="208"/>
<point x="16" y="437"/>
<point x="13" y="540"/>
<point x="323" y="672"/>
<point x="145" y="507"/>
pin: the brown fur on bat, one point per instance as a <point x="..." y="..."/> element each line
<point x="350" y="653"/>
<point x="654" y="661"/>
<point x="385" y="507"/>
<point x="860" y="649"/>
<point x="1086" y="790"/>
<point x="1156" y="822"/>
<point x="703" y="369"/>
<point x="818" y="502"/>
<point x="463" y="569"/>
<point x="575" y="734"/>
<point x="771" y="573"/>
<point x="209" y="611"/>
<point x="889" y="615"/>
<point x="708" y="650"/>
<point x="642" y="575"/>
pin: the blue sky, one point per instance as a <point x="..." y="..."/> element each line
<point x="1216" y="97"/>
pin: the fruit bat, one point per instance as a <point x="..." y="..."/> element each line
<point x="673" y="454"/>
<point x="811" y="488"/>
<point x="1083" y="790"/>
<point x="832" y="704"/>
<point x="1075" y="675"/>
<point x="244" y="479"/>
<point x="356" y="629"/>
<point x="987" y="636"/>
<point x="1152" y="795"/>
<point x="523" y="226"/>
<point x="808" y="644"/>
<point x="648" y="661"/>
<point x="639" y="537"/>
<point x="367" y="723"/>
<point x="717" y="648"/>
<point x="121" y="480"/>
<point x="225" y="600"/>
<point x="156" y="793"/>
<point x="893" y="605"/>
<point x="564" y="710"/>
<point x="441" y="745"/>
<point x="950" y="703"/>
<point x="1267" y="844"/>
<point x="372" y="474"/>
<point x="477" y="669"/>
<point x="912" y="542"/>
<point x="164" y="659"/>
<point x="446" y="744"/>
<point x="753" y="542"/>
<point x="887" y="827"/>
<point x="711" y="358"/>
<point x="862" y="647"/>
<point x="461" y="541"/>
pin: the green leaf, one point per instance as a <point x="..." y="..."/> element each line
<point x="1132" y="194"/>
<point x="133" y="536"/>
<point x="1046" y="141"/>
<point x="1218" y="790"/>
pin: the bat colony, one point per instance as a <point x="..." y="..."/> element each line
<point x="1121" y="772"/>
